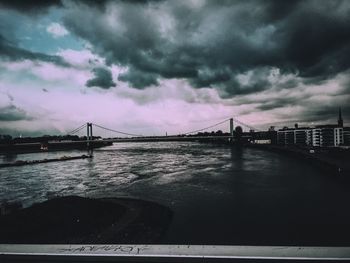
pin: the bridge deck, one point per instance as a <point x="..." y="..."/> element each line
<point x="155" y="139"/>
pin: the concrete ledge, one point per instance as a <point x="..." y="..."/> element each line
<point x="169" y="253"/>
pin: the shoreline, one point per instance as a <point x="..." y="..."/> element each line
<point x="36" y="147"/>
<point x="63" y="158"/>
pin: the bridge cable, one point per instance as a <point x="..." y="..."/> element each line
<point x="75" y="132"/>
<point x="120" y="132"/>
<point x="77" y="129"/>
<point x="212" y="126"/>
<point x="243" y="124"/>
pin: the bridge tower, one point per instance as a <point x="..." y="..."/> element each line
<point x="231" y="127"/>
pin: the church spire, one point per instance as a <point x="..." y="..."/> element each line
<point x="340" y="119"/>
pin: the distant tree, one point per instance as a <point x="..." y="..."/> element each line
<point x="5" y="139"/>
<point x="238" y="132"/>
<point x="219" y="132"/>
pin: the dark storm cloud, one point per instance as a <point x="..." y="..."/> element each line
<point x="278" y="103"/>
<point x="317" y="42"/>
<point x="11" y="52"/>
<point x="101" y="4"/>
<point x="137" y="79"/>
<point x="210" y="43"/>
<point x="38" y="6"/>
<point x="234" y="88"/>
<point x="326" y="112"/>
<point x="13" y="113"/>
<point x="103" y="79"/>
<point x="29" y="6"/>
<point x="253" y="81"/>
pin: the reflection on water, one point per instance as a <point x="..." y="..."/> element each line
<point x="9" y="157"/>
<point x="209" y="187"/>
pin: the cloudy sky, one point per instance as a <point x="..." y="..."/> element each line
<point x="150" y="67"/>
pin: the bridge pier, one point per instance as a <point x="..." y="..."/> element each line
<point x="89" y="138"/>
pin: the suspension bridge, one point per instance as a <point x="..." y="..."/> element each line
<point x="193" y="135"/>
<point x="84" y="137"/>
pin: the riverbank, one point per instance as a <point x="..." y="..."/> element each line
<point x="63" y="158"/>
<point x="78" y="220"/>
<point x="37" y="147"/>
<point x="333" y="160"/>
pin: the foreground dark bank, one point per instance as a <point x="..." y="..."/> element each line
<point x="74" y="220"/>
<point x="78" y="220"/>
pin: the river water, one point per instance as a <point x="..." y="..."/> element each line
<point x="219" y="194"/>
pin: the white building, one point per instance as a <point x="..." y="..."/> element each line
<point x="346" y="135"/>
<point x="327" y="135"/>
<point x="322" y="135"/>
<point x="300" y="136"/>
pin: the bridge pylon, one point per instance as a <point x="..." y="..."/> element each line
<point x="231" y="127"/>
